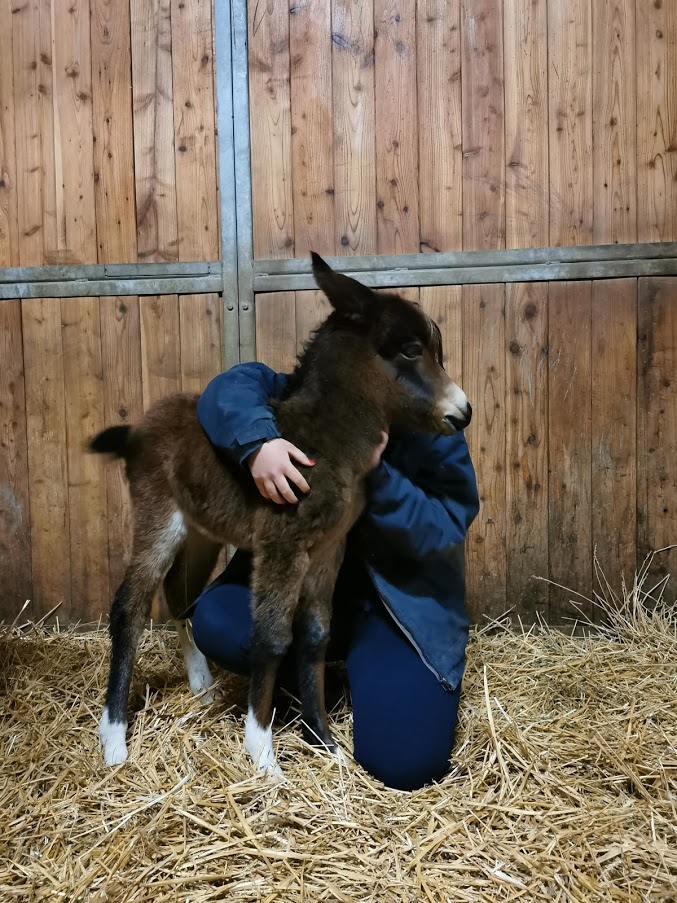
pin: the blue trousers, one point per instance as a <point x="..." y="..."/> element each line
<point x="403" y="718"/>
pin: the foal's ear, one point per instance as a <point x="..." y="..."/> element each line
<point x="349" y="298"/>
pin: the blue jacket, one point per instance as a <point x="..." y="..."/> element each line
<point x="421" y="500"/>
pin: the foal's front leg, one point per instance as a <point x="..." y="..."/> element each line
<point x="277" y="578"/>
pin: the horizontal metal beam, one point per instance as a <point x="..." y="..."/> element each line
<point x="545" y="272"/>
<point x="82" y="272"/>
<point x="74" y="288"/>
<point x="468" y="259"/>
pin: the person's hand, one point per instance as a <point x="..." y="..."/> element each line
<point x="272" y="468"/>
<point x="378" y="450"/>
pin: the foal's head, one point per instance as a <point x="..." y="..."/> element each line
<point x="398" y="350"/>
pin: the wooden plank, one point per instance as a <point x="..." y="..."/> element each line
<point x="570" y="118"/>
<point x="9" y="212"/>
<point x="656" y="44"/>
<point x="657" y="427"/>
<point x="15" y="523"/>
<point x="114" y="189"/>
<point x="483" y="125"/>
<point x="614" y="428"/>
<point x="527" y="449"/>
<point x="614" y="112"/>
<point x="312" y="308"/>
<point x="122" y="405"/>
<point x="569" y="429"/>
<point x="312" y="127"/>
<point x="194" y="122"/>
<point x="276" y="330"/>
<point x="87" y="504"/>
<point x="160" y="369"/>
<point x="484" y="384"/>
<point x="154" y="168"/>
<point x="73" y="135"/>
<point x="396" y="127"/>
<point x="201" y="340"/>
<point x="160" y="347"/>
<point x="47" y="465"/>
<point x="270" y="128"/>
<point x="28" y="123"/>
<point x="444" y="303"/>
<point x="354" y="125"/>
<point x="438" y="61"/>
<point x="527" y="189"/>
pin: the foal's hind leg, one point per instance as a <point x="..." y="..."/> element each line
<point x="311" y="635"/>
<point x="184" y="582"/>
<point x="152" y="553"/>
<point x="276" y="583"/>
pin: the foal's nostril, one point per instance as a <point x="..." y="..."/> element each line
<point x="460" y="423"/>
<point x="468" y="413"/>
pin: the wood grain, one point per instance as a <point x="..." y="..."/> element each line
<point x="614" y="122"/>
<point x="569" y="428"/>
<point x="438" y="61"/>
<point x="201" y="340"/>
<point x="312" y="127"/>
<point x="656" y="44"/>
<point x="73" y="135"/>
<point x="114" y="189"/>
<point x="270" y="127"/>
<point x="614" y="427"/>
<point x="154" y="165"/>
<point x="527" y="189"/>
<point x="9" y="212"/>
<point x="397" y="219"/>
<point x="527" y="449"/>
<point x="657" y="427"/>
<point x="276" y="330"/>
<point x="354" y="131"/>
<point x="15" y="518"/>
<point x="194" y="125"/>
<point x="484" y="384"/>
<point x="122" y="405"/>
<point x="483" y="125"/>
<point x="87" y="502"/>
<point x="570" y="117"/>
<point x="47" y="455"/>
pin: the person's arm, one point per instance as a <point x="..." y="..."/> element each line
<point x="417" y="522"/>
<point x="236" y="413"/>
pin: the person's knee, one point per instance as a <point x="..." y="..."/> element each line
<point x="221" y="625"/>
<point x="404" y="766"/>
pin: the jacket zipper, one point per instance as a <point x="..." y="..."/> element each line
<point x="445" y="683"/>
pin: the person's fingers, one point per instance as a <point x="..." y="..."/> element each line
<point x="273" y="494"/>
<point x="297" y="478"/>
<point x="298" y="455"/>
<point x="261" y="486"/>
<point x="285" y="489"/>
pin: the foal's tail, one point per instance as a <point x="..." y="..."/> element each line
<point x="113" y="441"/>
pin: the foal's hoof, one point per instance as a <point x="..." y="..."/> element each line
<point x="258" y="742"/>
<point x="112" y="735"/>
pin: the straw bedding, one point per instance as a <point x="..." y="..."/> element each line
<point x="563" y="785"/>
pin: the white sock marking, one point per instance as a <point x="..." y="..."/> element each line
<point x="199" y="675"/>
<point x="258" y="742"/>
<point x="112" y="736"/>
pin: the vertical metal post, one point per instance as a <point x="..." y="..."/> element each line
<point x="243" y="181"/>
<point x="224" y="103"/>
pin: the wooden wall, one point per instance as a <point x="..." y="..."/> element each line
<point x="574" y="433"/>
<point x="388" y="126"/>
<point x="107" y="155"/>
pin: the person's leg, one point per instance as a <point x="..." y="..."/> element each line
<point x="222" y="625"/>
<point x="403" y="718"/>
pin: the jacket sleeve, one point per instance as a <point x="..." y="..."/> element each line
<point x="235" y="409"/>
<point x="418" y="522"/>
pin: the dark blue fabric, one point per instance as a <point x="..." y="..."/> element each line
<point x="403" y="718"/>
<point x="421" y="500"/>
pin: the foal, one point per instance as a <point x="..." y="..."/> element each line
<point x="374" y="363"/>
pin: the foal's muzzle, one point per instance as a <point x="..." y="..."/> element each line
<point x="460" y="423"/>
<point x="455" y="409"/>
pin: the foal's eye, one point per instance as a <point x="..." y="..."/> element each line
<point x="412" y="350"/>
